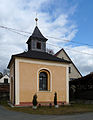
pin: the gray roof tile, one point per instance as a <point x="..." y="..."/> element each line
<point x="37" y="35"/>
<point x="38" y="55"/>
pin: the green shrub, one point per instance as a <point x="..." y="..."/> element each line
<point x="55" y="98"/>
<point x="34" y="100"/>
<point x="50" y="105"/>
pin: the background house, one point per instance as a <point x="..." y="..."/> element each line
<point x="5" y="79"/>
<point x="73" y="70"/>
<point x="4" y="87"/>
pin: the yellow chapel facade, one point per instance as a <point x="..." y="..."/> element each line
<point x="37" y="72"/>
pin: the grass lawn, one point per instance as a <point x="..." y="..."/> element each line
<point x="62" y="110"/>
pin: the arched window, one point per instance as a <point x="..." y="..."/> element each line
<point x="43" y="81"/>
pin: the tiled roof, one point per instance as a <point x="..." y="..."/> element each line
<point x="38" y="55"/>
<point x="37" y="34"/>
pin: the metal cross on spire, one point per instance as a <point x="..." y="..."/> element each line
<point x="36" y="19"/>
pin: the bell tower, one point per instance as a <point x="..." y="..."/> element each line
<point x="37" y="41"/>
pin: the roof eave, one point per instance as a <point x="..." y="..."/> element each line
<point x="67" y="62"/>
<point x="33" y="38"/>
<point x="12" y="58"/>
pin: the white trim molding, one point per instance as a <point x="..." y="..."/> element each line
<point x="67" y="86"/>
<point x="50" y="79"/>
<point x="11" y="77"/>
<point x="16" y="82"/>
<point x="43" y="62"/>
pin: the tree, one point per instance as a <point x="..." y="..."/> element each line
<point x="25" y="50"/>
<point x="6" y="72"/>
<point x="1" y="75"/>
<point x="50" y="51"/>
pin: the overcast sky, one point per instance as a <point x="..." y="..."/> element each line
<point x="63" y="19"/>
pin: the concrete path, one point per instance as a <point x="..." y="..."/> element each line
<point x="11" y="115"/>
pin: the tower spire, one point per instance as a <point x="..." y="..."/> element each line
<point x="36" y="19"/>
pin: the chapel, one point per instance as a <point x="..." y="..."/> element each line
<point x="38" y="72"/>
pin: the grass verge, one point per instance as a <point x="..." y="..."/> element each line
<point x="62" y="110"/>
